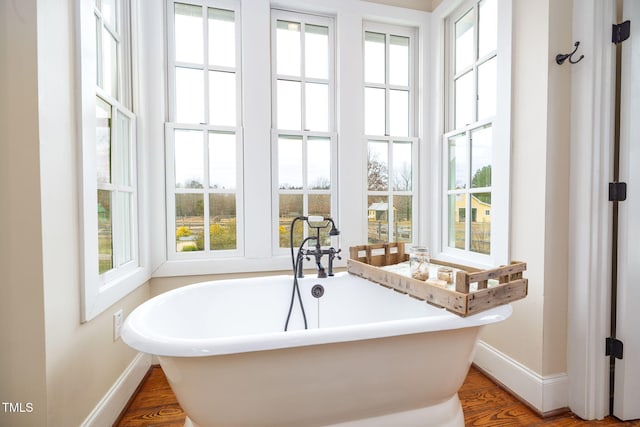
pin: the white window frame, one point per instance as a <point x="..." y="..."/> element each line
<point x="99" y="291"/>
<point x="172" y="125"/>
<point x="259" y="215"/>
<point x="501" y="125"/>
<point x="304" y="134"/>
<point x="411" y="33"/>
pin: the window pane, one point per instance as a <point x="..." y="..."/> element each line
<point x="290" y="162"/>
<point x="316" y="60"/>
<point x="222" y="98"/>
<point x="288" y="48"/>
<point x="374" y="111"/>
<point x="108" y="11"/>
<point x="189" y="33"/>
<point x="125" y="208"/>
<point x="402" y="219"/>
<point x="289" y="101"/>
<point x="222" y="221"/>
<point x="189" y="95"/>
<point x="317" y="107"/>
<point x="320" y="204"/>
<point x="378" y="219"/>
<point x="222" y="160"/>
<point x="457" y="216"/>
<point x="402" y="166"/>
<point x="189" y="166"/>
<point x="374" y="57"/>
<point x="378" y="166"/>
<point x="124" y="150"/>
<point x="399" y="112"/>
<point x="105" y="232"/>
<point x="189" y="222"/>
<point x="464" y="42"/>
<point x="487" y="79"/>
<point x="110" y="81"/>
<point x="399" y="61"/>
<point x="464" y="100"/>
<point x="458" y="162"/>
<point x="481" y="142"/>
<point x="487" y="27"/>
<point x="318" y="164"/>
<point x="481" y="223"/>
<point x="222" y="37"/>
<point x="98" y="57"/>
<point x="103" y="141"/>
<point x="291" y="206"/>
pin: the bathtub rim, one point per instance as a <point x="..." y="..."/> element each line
<point x="144" y="339"/>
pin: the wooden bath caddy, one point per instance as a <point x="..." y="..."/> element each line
<point x="472" y="291"/>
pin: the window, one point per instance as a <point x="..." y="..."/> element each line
<point x="204" y="134"/>
<point x="475" y="151"/>
<point x="390" y="130"/>
<point x="112" y="264"/>
<point x="303" y="140"/>
<point x="114" y="138"/>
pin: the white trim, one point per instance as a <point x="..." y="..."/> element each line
<point x="111" y="405"/>
<point x="590" y="228"/>
<point x="543" y="393"/>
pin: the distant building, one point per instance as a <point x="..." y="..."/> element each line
<point x="378" y="211"/>
<point x="480" y="211"/>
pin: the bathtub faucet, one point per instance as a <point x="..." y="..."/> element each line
<point x="317" y="251"/>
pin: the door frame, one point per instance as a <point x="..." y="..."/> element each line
<point x="590" y="234"/>
<point x="627" y="373"/>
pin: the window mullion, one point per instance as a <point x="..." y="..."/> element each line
<point x="207" y="190"/>
<point x="303" y="85"/>
<point x="391" y="191"/>
<point x="387" y="93"/>
<point x="98" y="30"/>
<point x="476" y="36"/>
<point x="205" y="68"/>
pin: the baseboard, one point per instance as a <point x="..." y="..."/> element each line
<point x="546" y="395"/>
<point x="111" y="405"/>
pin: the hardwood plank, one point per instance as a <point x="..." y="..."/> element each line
<point x="485" y="404"/>
<point x="154" y="404"/>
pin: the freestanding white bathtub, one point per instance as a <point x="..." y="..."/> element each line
<point x="372" y="357"/>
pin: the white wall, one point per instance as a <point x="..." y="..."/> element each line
<point x="82" y="360"/>
<point x="425" y="5"/>
<point x="22" y="334"/>
<point x="534" y="338"/>
<point x="60" y="365"/>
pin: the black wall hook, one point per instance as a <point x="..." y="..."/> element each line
<point x="561" y="57"/>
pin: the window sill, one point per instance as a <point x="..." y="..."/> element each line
<point x="201" y="267"/>
<point x="478" y="261"/>
<point x="97" y="298"/>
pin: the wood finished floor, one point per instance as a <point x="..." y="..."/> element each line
<point x="484" y="403"/>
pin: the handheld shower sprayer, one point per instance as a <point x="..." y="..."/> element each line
<point x="318" y="222"/>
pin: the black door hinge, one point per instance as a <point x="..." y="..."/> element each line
<point x="613" y="348"/>
<point x="620" y="32"/>
<point x="617" y="191"/>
